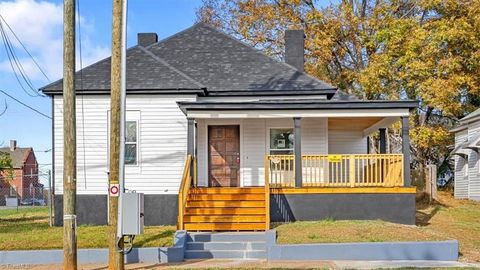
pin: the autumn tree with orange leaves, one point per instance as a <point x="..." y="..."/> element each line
<point x="426" y="50"/>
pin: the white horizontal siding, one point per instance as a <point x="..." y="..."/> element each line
<point x="461" y="179"/>
<point x="346" y="142"/>
<point x="473" y="163"/>
<point x="162" y="144"/>
<point x="254" y="139"/>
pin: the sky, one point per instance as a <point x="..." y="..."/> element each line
<point x="39" y="25"/>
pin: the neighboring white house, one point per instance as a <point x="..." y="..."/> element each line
<point x="467" y="157"/>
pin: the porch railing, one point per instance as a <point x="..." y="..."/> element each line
<point x="355" y="170"/>
<point x="184" y="188"/>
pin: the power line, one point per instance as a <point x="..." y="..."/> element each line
<point x="27" y="106"/>
<point x="15" y="63"/>
<point x="24" y="47"/>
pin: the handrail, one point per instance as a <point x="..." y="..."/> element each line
<point x="267" y="196"/>
<point x="183" y="191"/>
<point x="351" y="170"/>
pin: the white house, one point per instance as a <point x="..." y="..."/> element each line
<point x="221" y="136"/>
<point x="466" y="157"/>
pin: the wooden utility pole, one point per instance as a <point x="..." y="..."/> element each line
<point x="115" y="258"/>
<point x="69" y="139"/>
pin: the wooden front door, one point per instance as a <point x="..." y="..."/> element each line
<point x="224" y="156"/>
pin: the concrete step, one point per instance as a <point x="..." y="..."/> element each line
<point x="224" y="254"/>
<point x="226" y="237"/>
<point x="240" y="246"/>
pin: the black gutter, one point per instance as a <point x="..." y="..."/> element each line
<point x="297" y="105"/>
<point x="199" y="92"/>
<point x="271" y="92"/>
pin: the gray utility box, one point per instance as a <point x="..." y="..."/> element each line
<point x="132" y="213"/>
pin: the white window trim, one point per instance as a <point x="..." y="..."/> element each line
<point x="130" y="115"/>
<point x="137" y="152"/>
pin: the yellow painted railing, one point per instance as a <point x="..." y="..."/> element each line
<point x="356" y="170"/>
<point x="184" y="188"/>
<point x="267" y="198"/>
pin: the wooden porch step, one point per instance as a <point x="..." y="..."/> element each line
<point x="226" y="190"/>
<point x="225" y="226"/>
<point x="225" y="211"/>
<point x="227" y="197"/>
<point x="225" y="204"/>
<point x="222" y="219"/>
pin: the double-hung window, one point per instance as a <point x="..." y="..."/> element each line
<point x="131" y="142"/>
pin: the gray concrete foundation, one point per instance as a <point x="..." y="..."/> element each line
<point x="399" y="208"/>
<point x="92" y="209"/>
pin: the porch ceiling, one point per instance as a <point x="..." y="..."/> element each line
<point x="344" y="123"/>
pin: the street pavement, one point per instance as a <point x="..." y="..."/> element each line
<point x="263" y="264"/>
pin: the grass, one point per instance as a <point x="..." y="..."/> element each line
<point x="445" y="219"/>
<point x="448" y="218"/>
<point x="28" y="228"/>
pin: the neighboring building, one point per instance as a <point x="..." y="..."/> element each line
<point x="466" y="156"/>
<point x="23" y="181"/>
<point x="247" y="120"/>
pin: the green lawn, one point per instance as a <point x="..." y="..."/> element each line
<point x="446" y="219"/>
<point x="28" y="228"/>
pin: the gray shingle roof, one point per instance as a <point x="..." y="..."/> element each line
<point x="200" y="57"/>
<point x="223" y="63"/>
<point x="144" y="71"/>
<point x="18" y="156"/>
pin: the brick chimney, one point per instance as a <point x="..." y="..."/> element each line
<point x="146" y="39"/>
<point x="294" y="48"/>
<point x="13" y="145"/>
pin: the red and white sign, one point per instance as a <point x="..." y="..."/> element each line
<point x="113" y="190"/>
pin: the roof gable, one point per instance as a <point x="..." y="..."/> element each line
<point x="18" y="156"/>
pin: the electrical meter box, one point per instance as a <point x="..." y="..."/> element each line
<point x="132" y="213"/>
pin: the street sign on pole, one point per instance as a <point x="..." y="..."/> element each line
<point x="114" y="190"/>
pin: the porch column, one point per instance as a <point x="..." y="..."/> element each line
<point x="383" y="141"/>
<point x="406" y="151"/>
<point x="297" y="144"/>
<point x="190" y="136"/>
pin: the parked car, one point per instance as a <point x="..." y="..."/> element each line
<point x="33" y="201"/>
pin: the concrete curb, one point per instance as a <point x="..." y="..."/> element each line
<point x="100" y="255"/>
<point x="380" y="251"/>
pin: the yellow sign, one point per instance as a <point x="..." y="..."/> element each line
<point x="334" y="158"/>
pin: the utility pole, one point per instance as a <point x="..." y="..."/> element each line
<point x="117" y="130"/>
<point x="69" y="139"/>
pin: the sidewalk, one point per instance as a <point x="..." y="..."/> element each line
<point x="263" y="264"/>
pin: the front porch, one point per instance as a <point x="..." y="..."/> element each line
<point x="249" y="168"/>
<point x="343" y="186"/>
